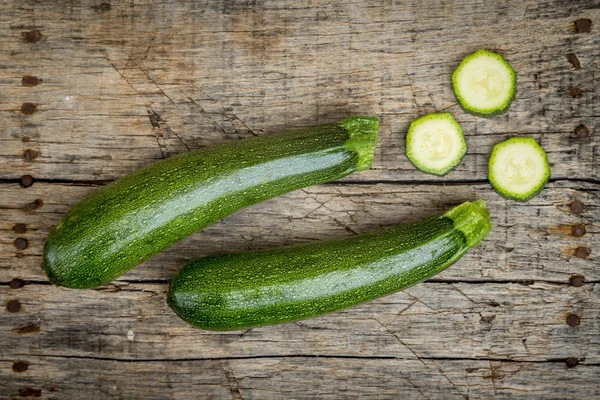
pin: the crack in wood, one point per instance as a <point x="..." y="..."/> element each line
<point x="231" y="380"/>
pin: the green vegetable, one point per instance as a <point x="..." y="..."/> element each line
<point x="234" y="291"/>
<point x="435" y="143"/>
<point x="129" y="220"/>
<point x="484" y="84"/>
<point x="518" y="168"/>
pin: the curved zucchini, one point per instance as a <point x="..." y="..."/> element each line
<point x="234" y="291"/>
<point x="129" y="220"/>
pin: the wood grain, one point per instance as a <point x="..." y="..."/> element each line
<point x="301" y="378"/>
<point x="95" y="89"/>
<point x="500" y="321"/>
<point x="125" y="86"/>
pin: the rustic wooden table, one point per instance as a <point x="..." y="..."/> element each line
<point x="93" y="90"/>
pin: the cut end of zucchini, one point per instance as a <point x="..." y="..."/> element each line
<point x="363" y="138"/>
<point x="472" y="219"/>
<point x="484" y="84"/>
<point x="435" y="143"/>
<point x="518" y="168"/>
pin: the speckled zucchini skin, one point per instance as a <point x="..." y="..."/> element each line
<point x="129" y="220"/>
<point x="234" y="291"/>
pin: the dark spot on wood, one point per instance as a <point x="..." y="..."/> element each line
<point x="582" y="252"/>
<point x="19" y="254"/>
<point x="25" y="139"/>
<point x="20" y="228"/>
<point x="16" y="283"/>
<point x="30" y="155"/>
<point x="37" y="203"/>
<point x="30" y="81"/>
<point x="487" y="319"/>
<point x="581" y="131"/>
<point x="20" y="366"/>
<point x="469" y="370"/>
<point x="496" y="373"/>
<point x="30" y="392"/>
<point x="21" y="243"/>
<point x="28" y="108"/>
<point x="13" y="306"/>
<point x="576" y="207"/>
<point x="31" y="328"/>
<point x="576" y="92"/>
<point x="572" y="58"/>
<point x="26" y="181"/>
<point x="573" y="320"/>
<point x="154" y="118"/>
<point x="583" y="25"/>
<point x="578" y="230"/>
<point x="32" y="36"/>
<point x="102" y="7"/>
<point x="571" y="362"/>
<point x="576" y="280"/>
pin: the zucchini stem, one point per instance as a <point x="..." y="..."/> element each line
<point x="363" y="138"/>
<point x="472" y="219"/>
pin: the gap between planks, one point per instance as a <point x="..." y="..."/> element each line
<point x="325" y="356"/>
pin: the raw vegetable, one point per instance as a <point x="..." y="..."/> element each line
<point x="129" y="220"/>
<point x="484" y="84"/>
<point x="234" y="291"/>
<point x="518" y="168"/>
<point x="435" y="143"/>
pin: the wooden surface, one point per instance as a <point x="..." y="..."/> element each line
<point x="92" y="90"/>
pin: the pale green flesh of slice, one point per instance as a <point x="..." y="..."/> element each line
<point x="518" y="168"/>
<point x="435" y="143"/>
<point x="485" y="83"/>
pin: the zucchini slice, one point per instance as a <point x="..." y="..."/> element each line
<point x="518" y="168"/>
<point x="484" y="84"/>
<point x="435" y="143"/>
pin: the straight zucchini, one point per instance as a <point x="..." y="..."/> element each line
<point x="129" y="220"/>
<point x="235" y="291"/>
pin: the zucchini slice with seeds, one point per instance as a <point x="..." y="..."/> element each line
<point x="518" y="168"/>
<point x="435" y="143"/>
<point x="484" y="84"/>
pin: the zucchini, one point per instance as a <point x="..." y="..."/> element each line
<point x="484" y="84"/>
<point x="129" y="220"/>
<point x="518" y="168"/>
<point x="435" y="143"/>
<point x="234" y="291"/>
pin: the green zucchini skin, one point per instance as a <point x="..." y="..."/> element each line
<point x="235" y="291"/>
<point x="129" y="220"/>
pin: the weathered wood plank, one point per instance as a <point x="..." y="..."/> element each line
<point x="529" y="241"/>
<point x="124" y="83"/>
<point x="300" y="378"/>
<point x="131" y="83"/>
<point x="428" y="321"/>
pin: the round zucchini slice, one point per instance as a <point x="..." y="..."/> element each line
<point x="518" y="168"/>
<point x="484" y="84"/>
<point x="435" y="143"/>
